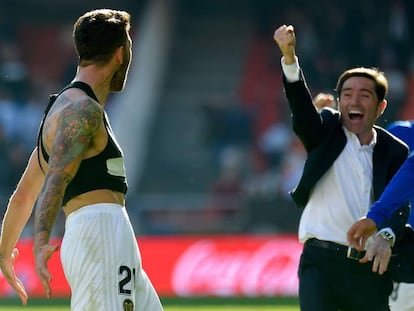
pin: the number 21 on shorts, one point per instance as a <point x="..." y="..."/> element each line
<point x="127" y="280"/>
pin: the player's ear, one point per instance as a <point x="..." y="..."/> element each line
<point x="119" y="54"/>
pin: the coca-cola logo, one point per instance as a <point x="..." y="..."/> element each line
<point x="268" y="269"/>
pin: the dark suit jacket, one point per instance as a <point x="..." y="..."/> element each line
<point x="324" y="139"/>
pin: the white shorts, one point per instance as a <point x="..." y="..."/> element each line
<point x="402" y="297"/>
<point x="102" y="262"/>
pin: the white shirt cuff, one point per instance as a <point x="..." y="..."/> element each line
<point x="387" y="234"/>
<point x="291" y="71"/>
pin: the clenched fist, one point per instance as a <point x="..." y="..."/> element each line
<point x="286" y="40"/>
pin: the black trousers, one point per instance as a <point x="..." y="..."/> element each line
<point x="329" y="281"/>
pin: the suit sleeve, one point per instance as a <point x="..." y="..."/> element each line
<point x="306" y="121"/>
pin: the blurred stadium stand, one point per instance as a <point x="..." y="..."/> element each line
<point x="203" y="119"/>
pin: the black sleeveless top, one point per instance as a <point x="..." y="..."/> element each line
<point x="105" y="170"/>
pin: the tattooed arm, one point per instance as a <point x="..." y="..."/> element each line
<point x="18" y="211"/>
<point x="70" y="129"/>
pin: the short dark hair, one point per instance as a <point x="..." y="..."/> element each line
<point x="98" y="33"/>
<point x="381" y="82"/>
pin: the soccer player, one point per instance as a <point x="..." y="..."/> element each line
<point x="78" y="166"/>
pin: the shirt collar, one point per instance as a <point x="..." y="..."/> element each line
<point x="351" y="135"/>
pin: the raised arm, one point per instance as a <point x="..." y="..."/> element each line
<point x="286" y="40"/>
<point x="306" y="121"/>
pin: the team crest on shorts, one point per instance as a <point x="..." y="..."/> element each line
<point x="128" y="305"/>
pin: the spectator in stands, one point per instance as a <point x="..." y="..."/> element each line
<point x="323" y="100"/>
<point x="225" y="200"/>
<point x="6" y="175"/>
<point x="14" y="152"/>
<point x="228" y="124"/>
<point x="273" y="144"/>
<point x="13" y="71"/>
<point x="8" y="113"/>
<point x="29" y="115"/>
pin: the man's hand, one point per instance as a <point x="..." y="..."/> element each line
<point x="360" y="231"/>
<point x="7" y="267"/>
<point x="42" y="256"/>
<point x="379" y="251"/>
<point x="285" y="39"/>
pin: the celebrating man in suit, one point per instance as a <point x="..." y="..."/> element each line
<point x="349" y="162"/>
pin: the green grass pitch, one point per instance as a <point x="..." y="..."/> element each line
<point x="172" y="304"/>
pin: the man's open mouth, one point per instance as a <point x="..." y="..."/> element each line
<point x="355" y="115"/>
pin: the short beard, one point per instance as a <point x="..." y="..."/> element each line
<point x="120" y="76"/>
<point x="118" y="79"/>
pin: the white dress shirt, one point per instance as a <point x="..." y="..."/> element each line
<point x="342" y="196"/>
<point x="344" y="193"/>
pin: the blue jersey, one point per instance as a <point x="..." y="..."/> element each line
<point x="401" y="187"/>
<point x="404" y="130"/>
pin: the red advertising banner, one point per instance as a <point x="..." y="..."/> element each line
<point x="234" y="265"/>
<point x="25" y="270"/>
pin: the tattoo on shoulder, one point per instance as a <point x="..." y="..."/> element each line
<point x="76" y="127"/>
